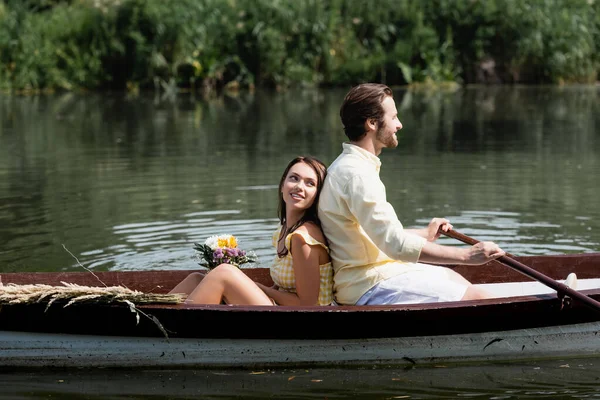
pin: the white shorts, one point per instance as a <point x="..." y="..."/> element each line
<point x="431" y="284"/>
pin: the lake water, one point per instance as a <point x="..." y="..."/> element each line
<point x="131" y="182"/>
<point x="556" y="379"/>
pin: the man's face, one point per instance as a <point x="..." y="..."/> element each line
<point x="386" y="132"/>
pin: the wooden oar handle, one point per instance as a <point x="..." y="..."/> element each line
<point x="465" y="239"/>
<point x="507" y="260"/>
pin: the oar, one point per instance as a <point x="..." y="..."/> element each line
<point x="562" y="289"/>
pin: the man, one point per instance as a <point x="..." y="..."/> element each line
<point x="375" y="259"/>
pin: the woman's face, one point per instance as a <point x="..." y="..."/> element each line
<point x="299" y="187"/>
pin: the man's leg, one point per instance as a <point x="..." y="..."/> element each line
<point x="473" y="292"/>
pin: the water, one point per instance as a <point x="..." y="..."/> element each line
<point x="556" y="379"/>
<point x="130" y="183"/>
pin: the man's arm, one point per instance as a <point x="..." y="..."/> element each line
<point x="433" y="231"/>
<point x="367" y="202"/>
<point x="480" y="253"/>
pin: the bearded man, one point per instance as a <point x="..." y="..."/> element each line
<point x="375" y="259"/>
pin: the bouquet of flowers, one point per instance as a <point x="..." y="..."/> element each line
<point x="222" y="249"/>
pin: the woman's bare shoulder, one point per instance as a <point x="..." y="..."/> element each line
<point x="313" y="230"/>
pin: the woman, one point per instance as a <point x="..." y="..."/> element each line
<point x="301" y="271"/>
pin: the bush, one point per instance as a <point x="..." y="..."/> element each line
<point x="210" y="44"/>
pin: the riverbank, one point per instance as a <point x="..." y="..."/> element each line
<point x="210" y="45"/>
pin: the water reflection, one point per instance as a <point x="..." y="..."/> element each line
<point x="131" y="182"/>
<point x="168" y="244"/>
<point x="556" y="379"/>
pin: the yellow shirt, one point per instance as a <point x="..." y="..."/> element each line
<point x="367" y="242"/>
<point x="282" y="270"/>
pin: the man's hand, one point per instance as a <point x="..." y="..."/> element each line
<point x="436" y="227"/>
<point x="483" y="252"/>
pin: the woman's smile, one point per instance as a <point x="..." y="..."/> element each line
<point x="300" y="186"/>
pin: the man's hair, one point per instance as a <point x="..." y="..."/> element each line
<point x="361" y="103"/>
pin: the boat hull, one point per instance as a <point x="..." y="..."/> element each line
<point x="525" y="325"/>
<point x="26" y="349"/>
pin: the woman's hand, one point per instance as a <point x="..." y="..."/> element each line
<point x="267" y="288"/>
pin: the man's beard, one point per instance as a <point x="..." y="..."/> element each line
<point x="388" y="140"/>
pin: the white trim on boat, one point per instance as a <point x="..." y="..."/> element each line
<point x="510" y="289"/>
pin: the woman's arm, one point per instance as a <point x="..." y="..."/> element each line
<point x="306" y="270"/>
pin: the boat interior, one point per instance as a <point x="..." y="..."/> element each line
<point x="500" y="279"/>
<point x="512" y="289"/>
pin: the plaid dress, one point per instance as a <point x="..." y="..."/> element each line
<point x="282" y="270"/>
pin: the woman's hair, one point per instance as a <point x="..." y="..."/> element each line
<point x="310" y="215"/>
<point x="361" y="103"/>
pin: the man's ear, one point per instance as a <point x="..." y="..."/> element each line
<point x="370" y="124"/>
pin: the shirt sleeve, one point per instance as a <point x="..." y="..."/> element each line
<point x="367" y="201"/>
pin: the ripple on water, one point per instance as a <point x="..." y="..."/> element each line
<point x="515" y="233"/>
<point x="536" y="380"/>
<point x="169" y="244"/>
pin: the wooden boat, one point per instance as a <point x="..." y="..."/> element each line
<point x="529" y="322"/>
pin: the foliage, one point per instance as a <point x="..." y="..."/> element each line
<point x="535" y="42"/>
<point x="211" y="44"/>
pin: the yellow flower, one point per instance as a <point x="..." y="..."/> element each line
<point x="213" y="252"/>
<point x="227" y="241"/>
<point x="232" y="242"/>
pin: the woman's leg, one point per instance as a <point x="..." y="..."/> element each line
<point x="188" y="285"/>
<point x="229" y="283"/>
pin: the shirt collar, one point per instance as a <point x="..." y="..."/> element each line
<point x="349" y="148"/>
